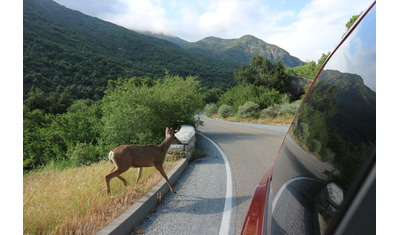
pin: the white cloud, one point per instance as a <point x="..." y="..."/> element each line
<point x="319" y="28"/>
<point x="140" y="15"/>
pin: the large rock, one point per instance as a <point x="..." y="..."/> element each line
<point x="298" y="85"/>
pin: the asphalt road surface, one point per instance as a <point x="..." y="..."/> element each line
<point x="213" y="194"/>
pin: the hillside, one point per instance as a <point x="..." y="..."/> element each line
<point x="65" y="48"/>
<point x="240" y="51"/>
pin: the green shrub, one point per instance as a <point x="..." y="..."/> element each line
<point x="225" y="111"/>
<point x="210" y="109"/>
<point x="241" y="94"/>
<point x="291" y="108"/>
<point x="83" y="154"/>
<point x="280" y="110"/>
<point x="139" y="114"/>
<point x="249" y="109"/>
<point x="271" y="111"/>
<point x="314" y="146"/>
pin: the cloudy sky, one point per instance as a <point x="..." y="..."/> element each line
<point x="305" y="28"/>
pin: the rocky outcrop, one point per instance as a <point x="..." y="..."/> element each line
<point x="298" y="85"/>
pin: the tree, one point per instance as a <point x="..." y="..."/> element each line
<point x="350" y="23"/>
<point x="352" y="20"/>
<point x="263" y="73"/>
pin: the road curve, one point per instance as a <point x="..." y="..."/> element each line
<point x="251" y="150"/>
<point x="200" y="202"/>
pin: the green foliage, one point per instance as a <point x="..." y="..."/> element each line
<point x="350" y="23"/>
<point x="225" y="111"/>
<point x="84" y="154"/>
<point x="281" y="109"/>
<point x="139" y="114"/>
<point x="134" y="110"/>
<point x="54" y="102"/>
<point x="263" y="73"/>
<point x="212" y="95"/>
<point x="310" y="69"/>
<point x="210" y="109"/>
<point x="249" y="109"/>
<point x="48" y="137"/>
<point x="241" y="94"/>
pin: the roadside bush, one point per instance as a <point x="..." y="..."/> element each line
<point x="139" y="114"/>
<point x="249" y="109"/>
<point x="272" y="111"/>
<point x="225" y="111"/>
<point x="83" y="154"/>
<point x="314" y="146"/>
<point x="291" y="108"/>
<point x="210" y="109"/>
<point x="47" y="137"/>
<point x="241" y="94"/>
<point x="283" y="109"/>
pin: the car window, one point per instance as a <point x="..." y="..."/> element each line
<point x="331" y="138"/>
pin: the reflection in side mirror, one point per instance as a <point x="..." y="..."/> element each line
<point x="331" y="138"/>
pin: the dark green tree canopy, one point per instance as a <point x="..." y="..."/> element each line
<point x="262" y="72"/>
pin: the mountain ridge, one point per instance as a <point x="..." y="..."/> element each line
<point x="235" y="50"/>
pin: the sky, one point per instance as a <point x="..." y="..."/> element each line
<point x="357" y="55"/>
<point x="304" y="28"/>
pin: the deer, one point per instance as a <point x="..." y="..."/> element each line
<point x="139" y="156"/>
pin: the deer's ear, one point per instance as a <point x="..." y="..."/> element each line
<point x="171" y="131"/>
<point x="166" y="131"/>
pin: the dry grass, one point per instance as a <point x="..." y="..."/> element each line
<point x="74" y="201"/>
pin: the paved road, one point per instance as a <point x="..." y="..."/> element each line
<point x="198" y="205"/>
<point x="251" y="150"/>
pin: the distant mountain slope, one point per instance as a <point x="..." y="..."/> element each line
<point x="240" y="51"/>
<point x="66" y="48"/>
<point x="175" y="40"/>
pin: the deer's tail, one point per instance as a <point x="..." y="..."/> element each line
<point x="111" y="156"/>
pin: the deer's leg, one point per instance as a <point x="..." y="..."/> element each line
<point x="114" y="173"/>
<point x="119" y="177"/>
<point x="122" y="179"/>
<point x="139" y="174"/>
<point x="161" y="170"/>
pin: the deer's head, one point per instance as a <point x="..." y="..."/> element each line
<point x="169" y="134"/>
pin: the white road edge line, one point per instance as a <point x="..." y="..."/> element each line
<point x="284" y="186"/>
<point x="226" y="216"/>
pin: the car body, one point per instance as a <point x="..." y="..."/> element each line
<point x="323" y="180"/>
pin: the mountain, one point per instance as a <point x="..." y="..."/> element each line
<point x="240" y="51"/>
<point x="64" y="48"/>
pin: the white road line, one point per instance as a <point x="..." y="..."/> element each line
<point x="284" y="186"/>
<point x="226" y="216"/>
